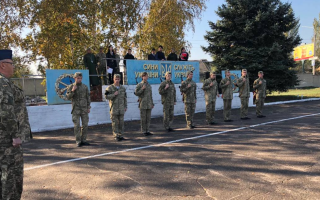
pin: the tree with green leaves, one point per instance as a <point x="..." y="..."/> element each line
<point x="316" y="38"/>
<point x="165" y="24"/>
<point x="257" y="35"/>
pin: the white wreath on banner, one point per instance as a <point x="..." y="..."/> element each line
<point x="59" y="90"/>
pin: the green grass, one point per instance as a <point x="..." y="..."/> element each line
<point x="308" y="92"/>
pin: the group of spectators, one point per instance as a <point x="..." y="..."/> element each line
<point x="107" y="64"/>
<point x="184" y="56"/>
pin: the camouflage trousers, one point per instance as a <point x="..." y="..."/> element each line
<point x="210" y="109"/>
<point x="80" y="133"/>
<point x="244" y="107"/>
<point x="168" y="115"/>
<point x="259" y="105"/>
<point x="227" y="108"/>
<point x="117" y="125"/>
<point x="189" y="109"/>
<point x="145" y="115"/>
<point x="103" y="71"/>
<point x="11" y="173"/>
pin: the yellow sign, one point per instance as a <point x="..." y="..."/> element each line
<point x="303" y="52"/>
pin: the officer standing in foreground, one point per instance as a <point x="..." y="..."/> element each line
<point x="167" y="91"/>
<point x="227" y="95"/>
<point x="144" y="92"/>
<point x="259" y="86"/>
<point x="188" y="88"/>
<point x="244" y="94"/>
<point x="117" y="96"/>
<point x="79" y="95"/>
<point x="210" y="87"/>
<point x="11" y="154"/>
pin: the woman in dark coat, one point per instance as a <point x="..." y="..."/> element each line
<point x="111" y="63"/>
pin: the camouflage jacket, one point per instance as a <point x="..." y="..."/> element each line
<point x="260" y="89"/>
<point x="80" y="98"/>
<point x="189" y="94"/>
<point x="101" y="58"/>
<point x="210" y="92"/>
<point x="244" y="88"/>
<point x="145" y="96"/>
<point x="168" y="96"/>
<point x="9" y="128"/>
<point x="227" y="90"/>
<point x="117" y="103"/>
<point x="22" y="114"/>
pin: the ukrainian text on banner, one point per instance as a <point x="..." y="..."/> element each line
<point x="157" y="70"/>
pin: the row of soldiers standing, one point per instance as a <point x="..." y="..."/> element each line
<point x="117" y="96"/>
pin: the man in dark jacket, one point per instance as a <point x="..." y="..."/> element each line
<point x="128" y="56"/>
<point x="160" y="55"/>
<point x="152" y="55"/>
<point x="172" y="56"/>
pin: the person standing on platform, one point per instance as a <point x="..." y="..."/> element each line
<point x="184" y="56"/>
<point x="111" y="63"/>
<point x="244" y="94"/>
<point x="117" y="68"/>
<point x="117" y="96"/>
<point x="144" y="92"/>
<point x="79" y="95"/>
<point x="260" y="86"/>
<point x="172" y="56"/>
<point x="90" y="62"/>
<point x="102" y="65"/>
<point x="210" y="87"/>
<point x="152" y="55"/>
<point x="227" y="95"/>
<point x="189" y="90"/>
<point x="167" y="91"/>
<point x="160" y="55"/>
<point x="128" y="56"/>
<point x="11" y="137"/>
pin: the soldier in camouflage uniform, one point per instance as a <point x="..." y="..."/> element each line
<point x="102" y="65"/>
<point x="210" y="87"/>
<point x="117" y="96"/>
<point x="79" y="95"/>
<point x="259" y="86"/>
<point x="11" y="154"/>
<point x="227" y="95"/>
<point x="244" y="94"/>
<point x="144" y="92"/>
<point x="188" y="88"/>
<point x="167" y="91"/>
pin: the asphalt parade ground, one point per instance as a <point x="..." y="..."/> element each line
<point x="277" y="157"/>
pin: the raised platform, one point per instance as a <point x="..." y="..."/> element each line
<point x="54" y="117"/>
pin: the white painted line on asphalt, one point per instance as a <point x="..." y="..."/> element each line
<point x="166" y="143"/>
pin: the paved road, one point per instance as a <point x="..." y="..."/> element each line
<point x="279" y="160"/>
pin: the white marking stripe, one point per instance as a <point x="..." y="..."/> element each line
<point x="165" y="143"/>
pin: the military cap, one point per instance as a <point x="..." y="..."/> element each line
<point x="144" y="74"/>
<point x="212" y="73"/>
<point x="160" y="46"/>
<point x="189" y="72"/>
<point x="77" y="74"/>
<point x="5" y="54"/>
<point x="88" y="48"/>
<point x="101" y="47"/>
<point x="227" y="70"/>
<point x="117" y="76"/>
<point x="168" y="73"/>
<point x="153" y="49"/>
<point x="244" y="70"/>
<point x="260" y="72"/>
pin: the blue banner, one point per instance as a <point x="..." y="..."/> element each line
<point x="157" y="69"/>
<point x="58" y="81"/>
